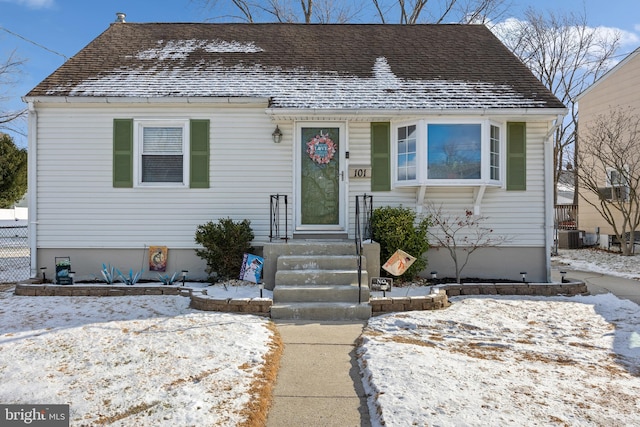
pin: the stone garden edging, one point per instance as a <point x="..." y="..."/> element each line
<point x="262" y="306"/>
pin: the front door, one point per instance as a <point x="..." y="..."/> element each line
<point x="321" y="172"/>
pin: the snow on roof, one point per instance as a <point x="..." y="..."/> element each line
<point x="304" y="66"/>
<point x="303" y="88"/>
<point x="181" y="49"/>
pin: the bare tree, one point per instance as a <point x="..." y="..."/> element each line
<point x="461" y="235"/>
<point x="608" y="171"/>
<point x="8" y="72"/>
<point x="288" y="11"/>
<point x="438" y="11"/>
<point x="567" y="56"/>
<point x="343" y="11"/>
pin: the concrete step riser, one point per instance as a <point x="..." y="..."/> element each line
<point x="321" y="311"/>
<point x="319" y="277"/>
<point x="323" y="262"/>
<point x="320" y="282"/>
<point x="290" y="294"/>
<point x="312" y="248"/>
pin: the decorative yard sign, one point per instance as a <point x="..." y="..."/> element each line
<point x="158" y="258"/>
<point x="360" y="172"/>
<point x="251" y="269"/>
<point x="379" y="284"/>
<point x="398" y="263"/>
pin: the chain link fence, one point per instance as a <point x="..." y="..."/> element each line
<point x="14" y="254"/>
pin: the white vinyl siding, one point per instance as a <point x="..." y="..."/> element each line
<point x="78" y="206"/>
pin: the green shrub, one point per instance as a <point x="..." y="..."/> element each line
<point x="225" y="244"/>
<point x="397" y="228"/>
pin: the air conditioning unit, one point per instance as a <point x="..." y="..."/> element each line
<point x="569" y="239"/>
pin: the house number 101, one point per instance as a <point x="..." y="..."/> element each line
<point x="360" y="172"/>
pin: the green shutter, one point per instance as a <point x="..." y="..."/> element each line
<point x="123" y="153"/>
<point x="199" y="160"/>
<point x="380" y="157"/>
<point x="516" y="156"/>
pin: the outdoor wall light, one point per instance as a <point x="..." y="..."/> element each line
<point x="563" y="273"/>
<point x="277" y="135"/>
<point x="524" y="276"/>
<point x="184" y="276"/>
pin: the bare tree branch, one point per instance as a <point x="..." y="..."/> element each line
<point x="342" y="11"/>
<point x="608" y="170"/>
<point x="461" y="235"/>
<point x="567" y="56"/>
<point x="9" y="72"/>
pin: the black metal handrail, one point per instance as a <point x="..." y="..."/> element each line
<point x="274" y="223"/>
<point x="363" y="231"/>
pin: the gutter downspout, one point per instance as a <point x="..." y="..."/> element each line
<point x="32" y="186"/>
<point x="548" y="193"/>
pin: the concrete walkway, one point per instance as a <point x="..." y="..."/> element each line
<point x="319" y="380"/>
<point x="598" y="283"/>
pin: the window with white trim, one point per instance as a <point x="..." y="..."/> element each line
<point x="406" y="145"/>
<point x="494" y="153"/>
<point x="448" y="153"/>
<point x="161" y="158"/>
<point x="617" y="186"/>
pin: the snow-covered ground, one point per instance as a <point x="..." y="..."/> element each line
<point x="483" y="361"/>
<point x="143" y="361"/>
<point x="509" y="361"/>
<point x="600" y="261"/>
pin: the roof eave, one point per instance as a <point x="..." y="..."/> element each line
<point x="551" y="113"/>
<point x="144" y="100"/>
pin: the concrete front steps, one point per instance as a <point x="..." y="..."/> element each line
<point x="321" y="284"/>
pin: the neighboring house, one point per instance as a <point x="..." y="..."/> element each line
<point x="619" y="87"/>
<point x="154" y="129"/>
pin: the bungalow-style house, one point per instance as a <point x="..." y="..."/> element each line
<point x="153" y="129"/>
<point x="618" y="88"/>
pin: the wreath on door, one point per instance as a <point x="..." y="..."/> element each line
<point x="321" y="149"/>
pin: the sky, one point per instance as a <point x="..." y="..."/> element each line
<point x="44" y="33"/>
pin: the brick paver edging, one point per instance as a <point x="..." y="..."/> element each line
<point x="49" y="290"/>
<point x="381" y="305"/>
<point x="262" y="306"/>
<point x="517" y="288"/>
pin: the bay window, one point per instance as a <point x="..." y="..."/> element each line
<point x="448" y="153"/>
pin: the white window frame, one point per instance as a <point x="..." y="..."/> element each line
<point x="139" y="126"/>
<point x="422" y="153"/>
<point x="619" y="190"/>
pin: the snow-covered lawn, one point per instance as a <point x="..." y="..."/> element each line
<point x="143" y="361"/>
<point x="507" y="361"/>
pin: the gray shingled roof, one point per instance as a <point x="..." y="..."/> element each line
<point x="304" y="66"/>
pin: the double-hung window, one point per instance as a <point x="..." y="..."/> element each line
<point x="448" y="153"/>
<point x="160" y="153"/>
<point x="161" y="158"/>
